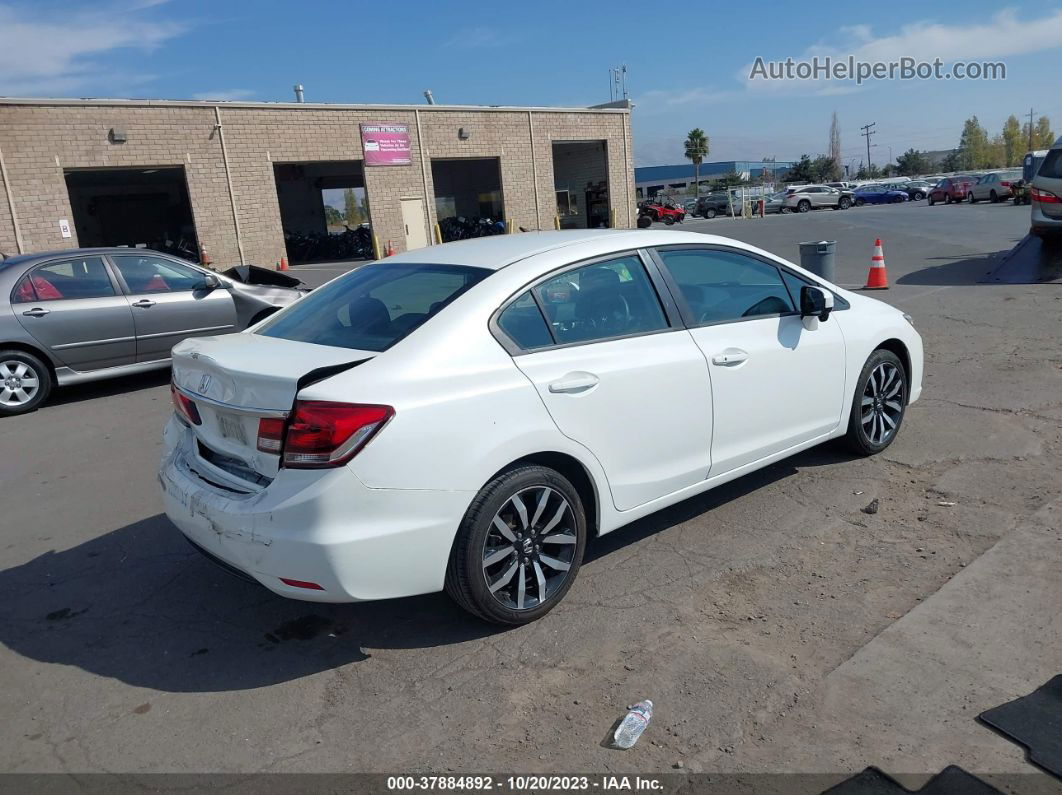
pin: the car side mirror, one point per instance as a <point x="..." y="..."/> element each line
<point x="815" y="302"/>
<point x="210" y="282"/>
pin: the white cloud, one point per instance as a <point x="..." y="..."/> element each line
<point x="227" y="95"/>
<point x="59" y="54"/>
<point x="671" y="99"/>
<point x="1002" y="35"/>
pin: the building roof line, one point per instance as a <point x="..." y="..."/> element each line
<point x="206" y="103"/>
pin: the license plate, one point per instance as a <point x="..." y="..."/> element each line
<point x="232" y="428"/>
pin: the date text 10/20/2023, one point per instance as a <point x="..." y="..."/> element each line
<point x="522" y="783"/>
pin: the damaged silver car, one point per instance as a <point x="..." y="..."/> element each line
<point x="85" y="314"/>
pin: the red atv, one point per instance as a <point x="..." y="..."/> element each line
<point x="659" y="211"/>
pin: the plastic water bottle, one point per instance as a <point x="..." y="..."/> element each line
<point x="633" y="724"/>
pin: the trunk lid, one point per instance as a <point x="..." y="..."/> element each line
<point x="237" y="379"/>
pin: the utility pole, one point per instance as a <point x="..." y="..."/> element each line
<point x="867" y="132"/>
<point x="1031" y="111"/>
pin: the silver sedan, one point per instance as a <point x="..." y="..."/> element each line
<point x="86" y="314"/>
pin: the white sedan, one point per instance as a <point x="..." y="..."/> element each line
<point x="466" y="416"/>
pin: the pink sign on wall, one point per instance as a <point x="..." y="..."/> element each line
<point x="386" y="144"/>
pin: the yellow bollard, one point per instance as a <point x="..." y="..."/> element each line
<point x="375" y="247"/>
<point x="438" y="234"/>
<point x="556" y="222"/>
<point x="612" y="219"/>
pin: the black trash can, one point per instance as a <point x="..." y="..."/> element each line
<point x="818" y="256"/>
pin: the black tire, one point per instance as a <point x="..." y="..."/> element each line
<point x="785" y="210"/>
<point x="644" y="221"/>
<point x="947" y="198"/>
<point x="466" y="577"/>
<point x="844" y="203"/>
<point x="804" y="206"/>
<point x="867" y="442"/>
<point x="931" y="202"/>
<point x="18" y="370"/>
<point x="970" y="198"/>
<point x="669" y="220"/>
<point x="860" y="202"/>
<point x="897" y="199"/>
<point x="993" y="197"/>
<point x="709" y="213"/>
<point x="918" y="196"/>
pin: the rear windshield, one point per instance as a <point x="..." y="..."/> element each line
<point x="1052" y="165"/>
<point x="373" y="307"/>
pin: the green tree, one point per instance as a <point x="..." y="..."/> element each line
<point x="1013" y="145"/>
<point x="823" y="168"/>
<point x="1043" y="138"/>
<point x="973" y="143"/>
<point x="352" y="210"/>
<point x="912" y="162"/>
<point x="801" y="171"/>
<point x="696" y="151"/>
<point x="996" y="154"/>
<point x="865" y="172"/>
<point x="332" y="216"/>
<point x="953" y="161"/>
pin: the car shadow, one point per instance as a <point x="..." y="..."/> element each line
<point x="109" y="387"/>
<point x="139" y="605"/>
<point x="953" y="272"/>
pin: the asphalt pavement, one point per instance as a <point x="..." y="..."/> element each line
<point x="775" y="625"/>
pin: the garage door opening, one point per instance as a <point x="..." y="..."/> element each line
<point x="580" y="178"/>
<point x="468" y="198"/>
<point x="324" y="211"/>
<point x="146" y="207"/>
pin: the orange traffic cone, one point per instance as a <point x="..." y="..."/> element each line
<point x="877" y="279"/>
<point x="204" y="257"/>
<point x="283" y="264"/>
<point x="390" y="250"/>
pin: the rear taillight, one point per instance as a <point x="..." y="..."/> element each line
<point x="184" y="406"/>
<point x="270" y="435"/>
<point x="325" y="434"/>
<point x="1004" y="183"/>
<point x="1043" y="196"/>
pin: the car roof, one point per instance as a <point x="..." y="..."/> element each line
<point x="20" y="259"/>
<point x="497" y="251"/>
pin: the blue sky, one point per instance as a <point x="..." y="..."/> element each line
<point x="686" y="67"/>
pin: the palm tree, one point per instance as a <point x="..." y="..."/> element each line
<point x="696" y="150"/>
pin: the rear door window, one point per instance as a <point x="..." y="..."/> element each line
<point x="606" y="299"/>
<point x="373" y="307"/>
<point x="82" y="277"/>
<point x="523" y="323"/>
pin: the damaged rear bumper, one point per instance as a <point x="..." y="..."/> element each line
<point x="314" y="526"/>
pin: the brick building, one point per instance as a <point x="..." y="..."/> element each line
<point x="238" y="178"/>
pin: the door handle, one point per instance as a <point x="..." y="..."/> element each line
<point x="143" y="303"/>
<point x="36" y="312"/>
<point x="730" y="357"/>
<point x="574" y="383"/>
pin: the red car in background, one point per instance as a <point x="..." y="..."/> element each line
<point x="951" y="189"/>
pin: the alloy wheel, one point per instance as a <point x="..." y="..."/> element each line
<point x="529" y="549"/>
<point x="882" y="404"/>
<point x="19" y="383"/>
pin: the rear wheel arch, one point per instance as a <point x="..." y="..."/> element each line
<point x="32" y="351"/>
<point x="577" y="474"/>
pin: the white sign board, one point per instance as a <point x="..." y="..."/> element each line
<point x="64" y="227"/>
